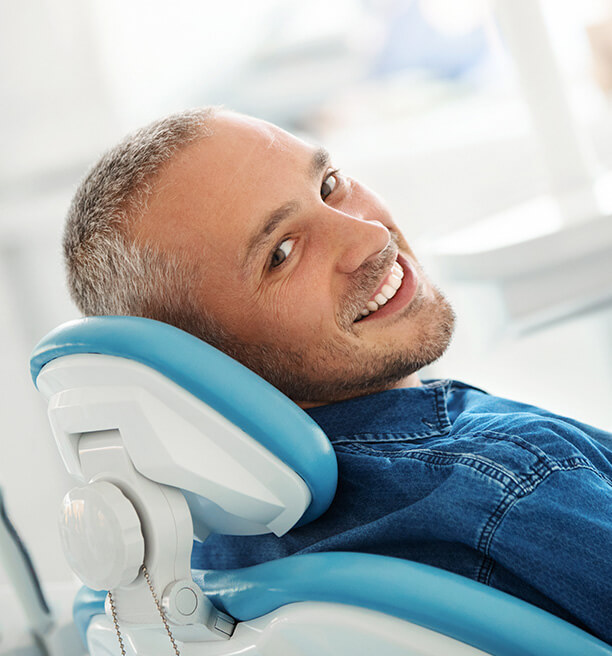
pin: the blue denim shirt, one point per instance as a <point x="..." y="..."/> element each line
<point x="504" y="493"/>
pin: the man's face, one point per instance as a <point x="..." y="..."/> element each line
<point x="291" y="252"/>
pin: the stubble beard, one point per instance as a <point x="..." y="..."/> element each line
<point x="337" y="370"/>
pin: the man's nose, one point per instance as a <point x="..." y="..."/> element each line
<point x="357" y="239"/>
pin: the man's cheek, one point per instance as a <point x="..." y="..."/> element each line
<point x="281" y="310"/>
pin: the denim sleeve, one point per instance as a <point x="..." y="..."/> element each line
<point x="559" y="537"/>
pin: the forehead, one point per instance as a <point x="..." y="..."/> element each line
<point x="245" y="149"/>
<point x="222" y="185"/>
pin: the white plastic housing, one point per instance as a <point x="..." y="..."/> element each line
<point x="175" y="439"/>
<point x="301" y="629"/>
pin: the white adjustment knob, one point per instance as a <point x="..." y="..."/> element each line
<point x="185" y="603"/>
<point x="101" y="535"/>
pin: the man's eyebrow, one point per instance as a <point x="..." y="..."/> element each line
<point x="319" y="162"/>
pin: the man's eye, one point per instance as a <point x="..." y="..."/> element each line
<point x="329" y="184"/>
<point x="281" y="253"/>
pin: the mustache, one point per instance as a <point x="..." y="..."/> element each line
<point x="365" y="280"/>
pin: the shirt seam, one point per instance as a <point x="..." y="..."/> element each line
<point x="385" y="436"/>
<point x="544" y="462"/>
<point x="513" y="496"/>
<point x="484" y="466"/>
<point x="442" y="405"/>
<point x="516" y="440"/>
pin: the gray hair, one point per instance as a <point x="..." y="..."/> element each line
<point x="108" y="273"/>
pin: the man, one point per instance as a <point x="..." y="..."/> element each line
<point x="249" y="238"/>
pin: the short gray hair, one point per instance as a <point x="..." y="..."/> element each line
<point x="108" y="273"/>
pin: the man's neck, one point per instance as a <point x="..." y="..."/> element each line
<point x="409" y="381"/>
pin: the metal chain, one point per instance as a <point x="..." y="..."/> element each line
<point x="115" y="622"/>
<point x="159" y="609"/>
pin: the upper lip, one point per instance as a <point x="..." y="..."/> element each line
<point x="381" y="281"/>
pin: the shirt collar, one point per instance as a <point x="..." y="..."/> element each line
<point x="411" y="412"/>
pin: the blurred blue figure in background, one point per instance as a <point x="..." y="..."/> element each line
<point x="414" y="41"/>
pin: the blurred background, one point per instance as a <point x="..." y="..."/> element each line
<point x="485" y="124"/>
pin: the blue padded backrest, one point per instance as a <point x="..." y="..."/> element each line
<point x="225" y="385"/>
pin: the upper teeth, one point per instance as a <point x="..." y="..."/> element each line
<point x="387" y="291"/>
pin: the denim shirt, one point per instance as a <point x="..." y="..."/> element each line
<point x="504" y="493"/>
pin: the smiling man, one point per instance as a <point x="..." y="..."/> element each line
<point x="297" y="258"/>
<point x="249" y="238"/>
<point x="253" y="241"/>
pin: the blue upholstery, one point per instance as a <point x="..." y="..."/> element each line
<point x="458" y="607"/>
<point x="446" y="603"/>
<point x="236" y="392"/>
<point x="87" y="604"/>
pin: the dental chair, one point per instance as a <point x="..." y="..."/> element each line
<point x="170" y="438"/>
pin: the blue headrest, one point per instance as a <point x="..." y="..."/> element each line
<point x="225" y="385"/>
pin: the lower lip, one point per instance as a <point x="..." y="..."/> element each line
<point x="402" y="297"/>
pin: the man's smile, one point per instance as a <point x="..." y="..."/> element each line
<point x="394" y="292"/>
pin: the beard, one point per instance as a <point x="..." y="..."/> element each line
<point x="337" y="370"/>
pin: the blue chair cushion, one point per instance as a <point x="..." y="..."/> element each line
<point x="87" y="604"/>
<point x="447" y="603"/>
<point x="244" y="398"/>
<point x="455" y="606"/>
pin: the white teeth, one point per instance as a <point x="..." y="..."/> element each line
<point x="388" y="291"/>
<point x="394" y="281"/>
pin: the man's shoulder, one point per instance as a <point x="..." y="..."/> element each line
<point x="454" y="414"/>
<point x="529" y="427"/>
<point x="473" y="407"/>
